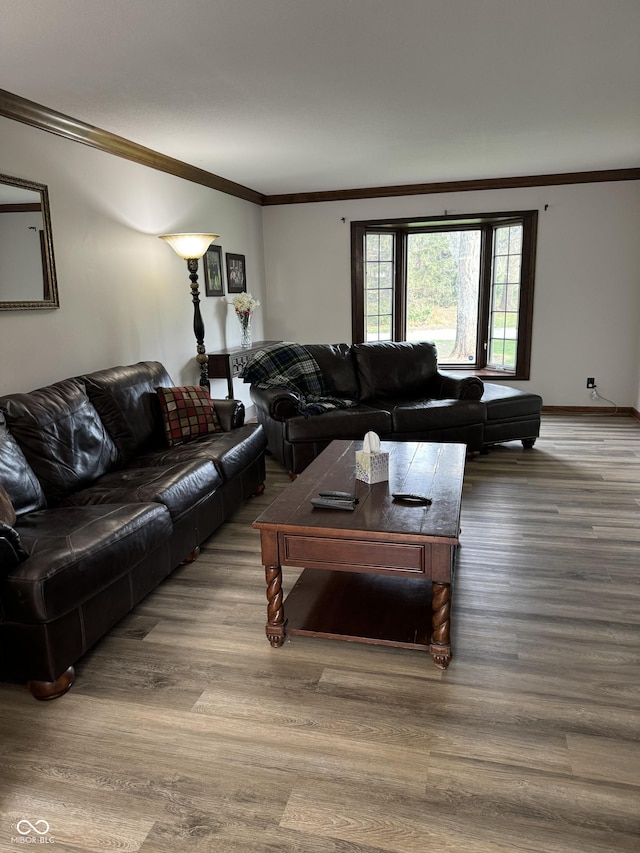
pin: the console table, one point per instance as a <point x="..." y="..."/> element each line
<point x="229" y="363"/>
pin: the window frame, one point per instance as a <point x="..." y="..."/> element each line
<point x="487" y="222"/>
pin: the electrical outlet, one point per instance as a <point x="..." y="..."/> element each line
<point x="591" y="382"/>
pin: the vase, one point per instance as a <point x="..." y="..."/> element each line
<point x="245" y="327"/>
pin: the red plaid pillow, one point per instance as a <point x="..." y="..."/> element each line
<point x="187" y="413"/>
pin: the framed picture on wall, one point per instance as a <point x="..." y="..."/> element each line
<point x="213" y="284"/>
<point x="236" y="273"/>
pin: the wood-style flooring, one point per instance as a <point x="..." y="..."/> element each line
<point x="185" y="730"/>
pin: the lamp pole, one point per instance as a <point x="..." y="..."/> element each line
<point x="191" y="247"/>
<point x="198" y="324"/>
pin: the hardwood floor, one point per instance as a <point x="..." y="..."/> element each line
<point x="186" y="731"/>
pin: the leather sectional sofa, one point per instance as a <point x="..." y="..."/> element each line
<point x="398" y="392"/>
<point x="104" y="508"/>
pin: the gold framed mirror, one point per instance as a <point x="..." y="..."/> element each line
<point x="27" y="267"/>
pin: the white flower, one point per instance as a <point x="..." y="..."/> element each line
<point x="244" y="303"/>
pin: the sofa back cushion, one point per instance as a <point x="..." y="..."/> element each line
<point x="394" y="369"/>
<point x="338" y="369"/>
<point x="16" y="475"/>
<point x="61" y="436"/>
<point x="126" y="400"/>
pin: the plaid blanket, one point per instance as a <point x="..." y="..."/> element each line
<point x="291" y="366"/>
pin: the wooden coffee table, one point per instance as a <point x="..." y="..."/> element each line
<point x="380" y="574"/>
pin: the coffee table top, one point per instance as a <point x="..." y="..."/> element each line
<point x="423" y="467"/>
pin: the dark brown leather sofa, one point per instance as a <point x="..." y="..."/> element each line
<point x="105" y="510"/>
<point x="400" y="394"/>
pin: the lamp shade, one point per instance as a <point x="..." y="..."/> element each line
<point x="189" y="246"/>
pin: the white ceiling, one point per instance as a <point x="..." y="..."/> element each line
<point x="302" y="95"/>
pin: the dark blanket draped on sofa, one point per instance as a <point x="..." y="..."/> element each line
<point x="292" y="366"/>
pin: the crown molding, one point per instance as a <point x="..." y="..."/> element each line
<point x="28" y="112"/>
<point x="25" y="111"/>
<point x="457" y="186"/>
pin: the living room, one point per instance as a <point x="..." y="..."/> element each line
<point x="124" y="297"/>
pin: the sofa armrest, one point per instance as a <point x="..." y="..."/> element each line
<point x="230" y="413"/>
<point x="279" y="403"/>
<point x="11" y="550"/>
<point x="444" y="386"/>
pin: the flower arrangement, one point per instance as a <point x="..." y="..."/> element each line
<point x="245" y="305"/>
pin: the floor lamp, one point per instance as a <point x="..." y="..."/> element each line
<point x="192" y="247"/>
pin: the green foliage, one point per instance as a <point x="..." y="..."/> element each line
<point x="432" y="274"/>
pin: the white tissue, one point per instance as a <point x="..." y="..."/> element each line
<point x="371" y="443"/>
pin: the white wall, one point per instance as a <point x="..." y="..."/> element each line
<point x="587" y="291"/>
<point x="124" y="294"/>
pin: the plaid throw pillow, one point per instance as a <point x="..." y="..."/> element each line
<point x="187" y="413"/>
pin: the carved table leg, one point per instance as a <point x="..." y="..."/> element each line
<point x="440" y="648"/>
<point x="276" y="623"/>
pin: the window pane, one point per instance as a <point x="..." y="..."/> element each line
<point x="499" y="297"/>
<point x="372" y="329"/>
<point x="500" y="274"/>
<point x="513" y="275"/>
<point x="372" y="303"/>
<point x="515" y="239"/>
<point x="497" y="353"/>
<point x="502" y="241"/>
<point x="384" y="333"/>
<point x="385" y="302"/>
<point x="443" y="279"/>
<point x="379" y="275"/>
<point x="513" y="298"/>
<point x="505" y="297"/>
<point x="497" y="324"/>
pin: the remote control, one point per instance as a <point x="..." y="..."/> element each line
<point x="333" y="503"/>
<point x="409" y="497"/>
<point x="340" y="496"/>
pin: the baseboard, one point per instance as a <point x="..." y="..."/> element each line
<point x="590" y="410"/>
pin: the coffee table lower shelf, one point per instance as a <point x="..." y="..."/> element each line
<point x="362" y="608"/>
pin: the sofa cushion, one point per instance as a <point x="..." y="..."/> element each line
<point x="126" y="400"/>
<point x="17" y="476"/>
<point x="75" y="552"/>
<point x="338" y="369"/>
<point x="394" y="368"/>
<point x="61" y="435"/>
<point x="187" y="413"/>
<point x="178" y="486"/>
<point x="411" y="416"/>
<point x="340" y="423"/>
<point x="231" y="452"/>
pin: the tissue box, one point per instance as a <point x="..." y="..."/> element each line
<point x="372" y="467"/>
